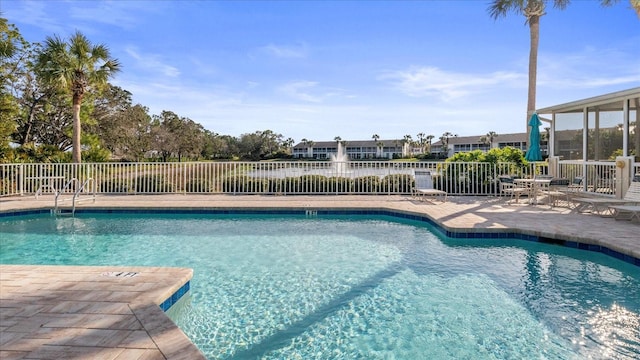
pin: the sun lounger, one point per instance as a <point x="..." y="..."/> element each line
<point x="424" y="186"/>
<point x="602" y="206"/>
<point x="625" y="212"/>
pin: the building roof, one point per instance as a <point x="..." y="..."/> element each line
<point x="500" y="138"/>
<point x="607" y="102"/>
<point x="352" y="143"/>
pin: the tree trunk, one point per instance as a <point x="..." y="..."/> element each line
<point x="76" y="151"/>
<point x="534" y="32"/>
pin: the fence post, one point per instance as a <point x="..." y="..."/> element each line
<point x="624" y="175"/>
<point x="184" y="177"/>
<point x="554" y="169"/>
<point x="21" y="180"/>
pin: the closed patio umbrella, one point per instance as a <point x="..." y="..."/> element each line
<point x="533" y="154"/>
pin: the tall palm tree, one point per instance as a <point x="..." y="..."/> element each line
<point x="421" y="141"/>
<point x="533" y="10"/>
<point x="77" y="66"/>
<point x="429" y="139"/>
<point x="380" y="146"/>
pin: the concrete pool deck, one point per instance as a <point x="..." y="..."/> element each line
<point x="53" y="312"/>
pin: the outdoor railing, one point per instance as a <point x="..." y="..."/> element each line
<point x="597" y="176"/>
<point x="276" y="177"/>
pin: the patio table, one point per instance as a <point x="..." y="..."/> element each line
<point x="535" y="186"/>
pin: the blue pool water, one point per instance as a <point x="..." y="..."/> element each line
<point x="356" y="287"/>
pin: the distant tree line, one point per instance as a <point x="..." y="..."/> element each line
<point x="40" y="83"/>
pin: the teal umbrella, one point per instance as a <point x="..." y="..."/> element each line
<point x="533" y="154"/>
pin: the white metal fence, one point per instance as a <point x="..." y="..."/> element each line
<point x="595" y="176"/>
<point x="282" y="177"/>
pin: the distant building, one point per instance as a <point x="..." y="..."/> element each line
<point x="569" y="143"/>
<point x="398" y="148"/>
<point x="356" y="149"/>
<point x="458" y="144"/>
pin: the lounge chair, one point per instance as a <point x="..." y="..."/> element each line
<point x="602" y="205"/>
<point x="625" y="212"/>
<point x="424" y="186"/>
<point x="510" y="188"/>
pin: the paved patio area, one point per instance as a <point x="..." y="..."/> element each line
<point x="53" y="312"/>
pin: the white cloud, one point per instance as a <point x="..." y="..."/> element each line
<point x="123" y="14"/>
<point x="152" y="63"/>
<point x="447" y="86"/>
<point x="286" y="52"/>
<point x="35" y="13"/>
<point x="299" y="90"/>
<point x="588" y="68"/>
<point x="235" y="113"/>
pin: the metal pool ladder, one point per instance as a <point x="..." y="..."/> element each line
<point x="76" y="196"/>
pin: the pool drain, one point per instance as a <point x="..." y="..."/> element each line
<point x="120" y="274"/>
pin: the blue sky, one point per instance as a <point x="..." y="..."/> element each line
<point x="352" y="69"/>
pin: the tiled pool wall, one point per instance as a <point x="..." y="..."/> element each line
<point x="494" y="234"/>
<point x="171" y="300"/>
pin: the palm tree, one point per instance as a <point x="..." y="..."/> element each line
<point x="533" y="10"/>
<point x="429" y="138"/>
<point x="421" y="141"/>
<point x="380" y="146"/>
<point x="309" y="144"/>
<point x="76" y="66"/>
<point x="444" y="139"/>
<point x="488" y="139"/>
<point x="484" y="141"/>
<point x="375" y="137"/>
<point x="492" y="135"/>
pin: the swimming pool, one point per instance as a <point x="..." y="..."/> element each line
<point x="374" y="287"/>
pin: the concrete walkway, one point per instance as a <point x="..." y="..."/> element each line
<point x="54" y="312"/>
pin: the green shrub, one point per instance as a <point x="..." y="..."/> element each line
<point x="275" y="185"/>
<point x="476" y="171"/>
<point x="7" y="186"/>
<point x="337" y="184"/>
<point x="290" y="185"/>
<point x="243" y="184"/>
<point x="397" y="183"/>
<point x="152" y="184"/>
<point x="198" y="186"/>
<point x="113" y="186"/>
<point x="312" y="183"/>
<point x="368" y="184"/>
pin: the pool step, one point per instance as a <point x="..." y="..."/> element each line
<point x="62" y="212"/>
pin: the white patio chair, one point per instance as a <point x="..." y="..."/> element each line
<point x="424" y="186"/>
<point x="513" y="190"/>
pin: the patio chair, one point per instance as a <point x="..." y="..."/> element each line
<point x="547" y="177"/>
<point x="558" y="189"/>
<point x="508" y="187"/>
<point x="576" y="184"/>
<point x="424" y="186"/>
<point x="603" y="206"/>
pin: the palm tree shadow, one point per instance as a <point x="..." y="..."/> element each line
<point x="284" y="336"/>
